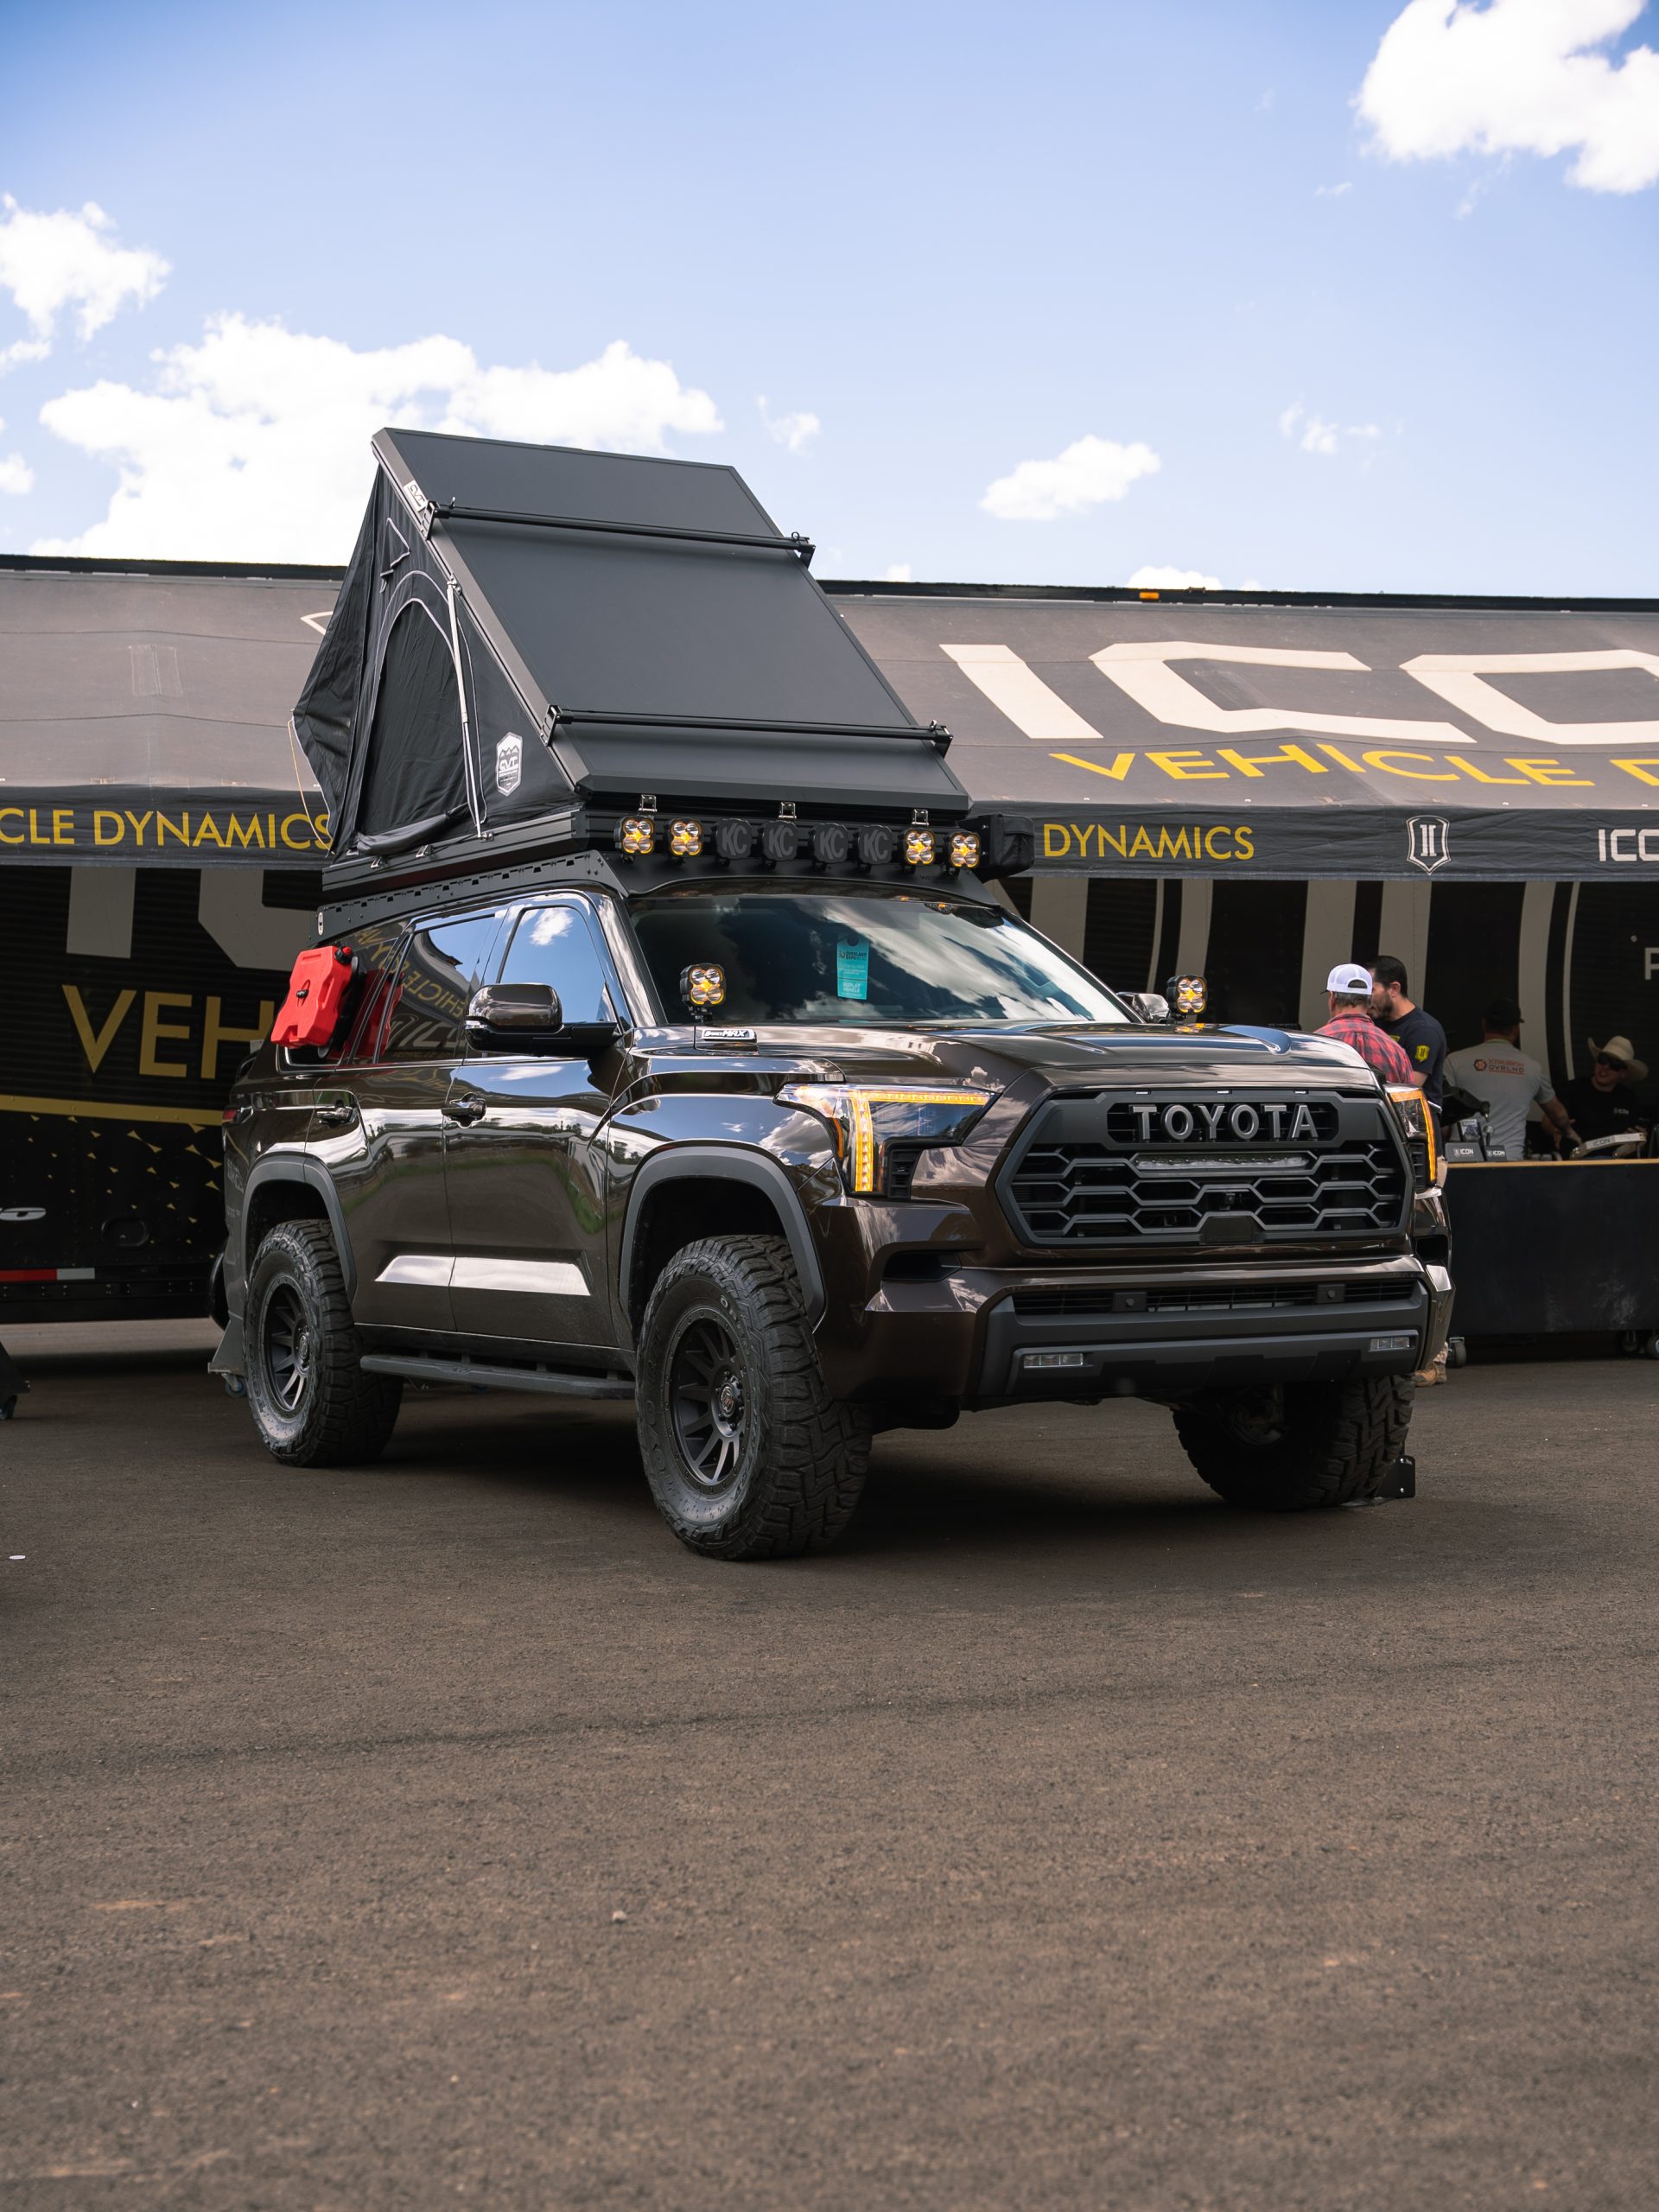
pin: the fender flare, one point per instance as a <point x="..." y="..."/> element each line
<point x="295" y="1167"/>
<point x="697" y="1163"/>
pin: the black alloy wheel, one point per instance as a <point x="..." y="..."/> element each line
<point x="287" y="1350"/>
<point x="708" y="1399"/>
<point x="311" y="1401"/>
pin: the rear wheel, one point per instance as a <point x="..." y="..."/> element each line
<point x="747" y="1454"/>
<point x="311" y="1401"/>
<point x="1285" y="1448"/>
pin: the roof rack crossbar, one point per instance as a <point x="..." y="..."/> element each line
<point x="449" y="510"/>
<point x="934" y="734"/>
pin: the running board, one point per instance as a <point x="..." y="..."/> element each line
<point x="477" y="1373"/>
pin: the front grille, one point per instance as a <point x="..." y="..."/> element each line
<point x="1281" y="1298"/>
<point x="1087" y="1174"/>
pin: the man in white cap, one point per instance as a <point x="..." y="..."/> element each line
<point x="1348" y="994"/>
<point x="1600" y="1103"/>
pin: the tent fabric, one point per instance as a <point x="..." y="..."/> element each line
<point x="143" y="715"/>
<point x="1206" y="737"/>
<point x="561" y="649"/>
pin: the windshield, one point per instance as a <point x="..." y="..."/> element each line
<point x="869" y="957"/>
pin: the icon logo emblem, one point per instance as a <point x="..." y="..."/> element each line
<point x="509" y="764"/>
<point x="1427" y="841"/>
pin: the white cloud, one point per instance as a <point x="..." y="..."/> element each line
<point x="1156" y="579"/>
<point x="796" y="431"/>
<point x="253" y="445"/>
<point x="1314" y="434"/>
<point x="899" y="573"/>
<point x="52" y="263"/>
<point x="1333" y="191"/>
<point x="16" y="477"/>
<point x="1085" y="473"/>
<point x="1518" y="76"/>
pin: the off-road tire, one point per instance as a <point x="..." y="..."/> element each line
<point x="797" y="1455"/>
<point x="1289" y="1447"/>
<point x="337" y="1416"/>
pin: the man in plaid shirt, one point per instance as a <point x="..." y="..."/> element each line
<point x="1348" y="993"/>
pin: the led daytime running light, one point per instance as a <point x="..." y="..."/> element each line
<point x="849" y="1110"/>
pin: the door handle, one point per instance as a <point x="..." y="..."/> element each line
<point x="340" y="1114"/>
<point x="464" y="1110"/>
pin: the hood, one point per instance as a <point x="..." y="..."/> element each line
<point x="1071" y="1056"/>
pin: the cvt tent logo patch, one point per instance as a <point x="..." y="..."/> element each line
<point x="509" y="764"/>
<point x="1428" y="835"/>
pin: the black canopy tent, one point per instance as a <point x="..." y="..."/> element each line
<point x="525" y="628"/>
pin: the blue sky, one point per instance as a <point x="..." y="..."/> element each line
<point x="1158" y="248"/>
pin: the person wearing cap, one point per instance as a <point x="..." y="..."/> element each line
<point x="1419" y="1033"/>
<point x="1600" y="1105"/>
<point x="1348" y="994"/>
<point x="1506" y="1080"/>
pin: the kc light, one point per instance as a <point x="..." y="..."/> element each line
<point x="831" y="845"/>
<point x="964" y="849"/>
<point x="636" y="836"/>
<point x="1188" y="995"/>
<point x="703" y="985"/>
<point x="875" y="846"/>
<point x="867" y="1122"/>
<point x="1417" y="1120"/>
<point x="685" y="840"/>
<point x="733" y="841"/>
<point x="919" y="848"/>
<point x="779" y="841"/>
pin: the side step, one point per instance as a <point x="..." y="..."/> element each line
<point x="477" y="1373"/>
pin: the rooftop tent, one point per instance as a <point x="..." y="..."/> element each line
<point x="524" y="625"/>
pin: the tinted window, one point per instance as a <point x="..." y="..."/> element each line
<point x="554" y="945"/>
<point x="863" y="957"/>
<point x="375" y="946"/>
<point x="443" y="965"/>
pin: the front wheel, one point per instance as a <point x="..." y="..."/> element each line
<point x="1286" y="1447"/>
<point x="747" y="1454"/>
<point x="311" y="1401"/>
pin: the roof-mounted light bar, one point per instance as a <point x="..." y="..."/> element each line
<point x="847" y="848"/>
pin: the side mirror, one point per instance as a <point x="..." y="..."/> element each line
<point x="1151" y="1006"/>
<point x="515" y="1008"/>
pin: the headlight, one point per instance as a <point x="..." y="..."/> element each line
<point x="868" y="1122"/>
<point x="1417" y="1120"/>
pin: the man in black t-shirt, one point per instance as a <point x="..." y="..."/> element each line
<point x="1600" y="1105"/>
<point x="1422" y="1037"/>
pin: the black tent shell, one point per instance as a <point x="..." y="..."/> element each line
<point x="524" y="626"/>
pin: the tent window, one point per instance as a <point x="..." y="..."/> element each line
<point x="415" y="768"/>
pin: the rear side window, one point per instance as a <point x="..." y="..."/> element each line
<point x="556" y="945"/>
<point x="375" y="946"/>
<point x="443" y="964"/>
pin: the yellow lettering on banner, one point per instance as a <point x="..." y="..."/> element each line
<point x="251" y="836"/>
<point x="296" y="844"/>
<point x="1639" y="766"/>
<point x="1051" y="831"/>
<point x="1083" y="833"/>
<point x="1381" y="760"/>
<point x="101" y="814"/>
<point x="155" y="1029"/>
<point x="1341" y="759"/>
<point x="163" y="826"/>
<point x="1176" y="847"/>
<point x="215" y="1030"/>
<point x="1480" y="774"/>
<point x="1210" y="837"/>
<point x="1120" y="767"/>
<point x="6" y="837"/>
<point x="96" y="1045"/>
<point x="138" y="822"/>
<point x="320" y="829"/>
<point x="36" y="835"/>
<point x="1289" y="756"/>
<point x="1120" y="844"/>
<point x="1243" y="844"/>
<point x="1178" y="765"/>
<point x="1143" y="844"/>
<point x="209" y="829"/>
<point x="63" y="825"/>
<point x="1543" y="770"/>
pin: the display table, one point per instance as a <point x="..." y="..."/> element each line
<point x="1554" y="1248"/>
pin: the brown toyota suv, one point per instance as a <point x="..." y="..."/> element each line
<point x="792" y="1134"/>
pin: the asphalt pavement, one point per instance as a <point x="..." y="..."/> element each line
<point x="443" y="1831"/>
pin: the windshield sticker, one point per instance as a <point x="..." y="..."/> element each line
<point x="852" y="967"/>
